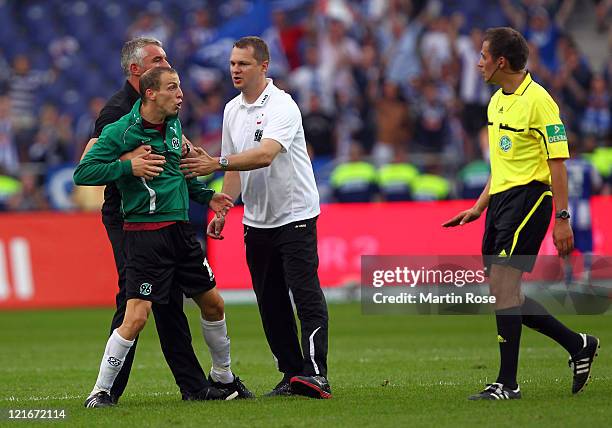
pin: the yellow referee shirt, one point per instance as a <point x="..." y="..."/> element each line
<point x="524" y="131"/>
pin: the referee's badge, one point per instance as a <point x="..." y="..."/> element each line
<point x="556" y="133"/>
<point x="505" y="143"/>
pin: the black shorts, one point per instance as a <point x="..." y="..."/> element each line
<point x="157" y="260"/>
<point x="517" y="221"/>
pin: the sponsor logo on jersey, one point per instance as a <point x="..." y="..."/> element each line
<point x="145" y="288"/>
<point x="556" y="133"/>
<point x="505" y="143"/>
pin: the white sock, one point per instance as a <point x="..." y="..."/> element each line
<point x="215" y="336"/>
<point x="116" y="349"/>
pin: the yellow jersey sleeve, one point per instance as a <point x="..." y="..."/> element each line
<point x="546" y="122"/>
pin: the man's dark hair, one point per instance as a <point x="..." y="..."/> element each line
<point x="151" y="79"/>
<point x="260" y="48"/>
<point x="509" y="43"/>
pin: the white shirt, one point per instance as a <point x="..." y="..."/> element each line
<point x="285" y="191"/>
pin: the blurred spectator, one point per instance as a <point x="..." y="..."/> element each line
<point x="538" y="70"/>
<point x="582" y="182"/>
<point x="85" y="125"/>
<point x="307" y="81"/>
<point x="231" y="8"/>
<point x="400" y="46"/>
<point x="396" y="178"/>
<point x="290" y="37"/>
<point x="601" y="158"/>
<point x="366" y="76"/>
<point x="23" y="85"/>
<point x="436" y="45"/>
<point x="573" y="81"/>
<point x="9" y="161"/>
<point x="474" y="93"/>
<point x="355" y="180"/>
<point x="473" y="177"/>
<point x="596" y="119"/>
<point x="607" y="67"/>
<point x="280" y="66"/>
<point x="210" y="123"/>
<point x="535" y="23"/>
<point x="602" y="13"/>
<point x="338" y="53"/>
<point x="63" y="51"/>
<point x="432" y="119"/>
<point x="5" y="72"/>
<point x="9" y="187"/>
<point x="151" y="24"/>
<point x="30" y="196"/>
<point x="52" y="140"/>
<point x="348" y="125"/>
<point x="200" y="31"/>
<point x="431" y="186"/>
<point x="319" y="129"/>
<point x="393" y="122"/>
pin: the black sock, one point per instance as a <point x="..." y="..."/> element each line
<point x="536" y="316"/>
<point x="509" y="337"/>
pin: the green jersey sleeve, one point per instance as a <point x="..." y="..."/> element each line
<point x="199" y="192"/>
<point x="101" y="165"/>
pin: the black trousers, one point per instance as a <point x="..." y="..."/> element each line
<point x="282" y="259"/>
<point x="172" y="328"/>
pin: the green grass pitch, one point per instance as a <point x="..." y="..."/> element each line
<point x="384" y="371"/>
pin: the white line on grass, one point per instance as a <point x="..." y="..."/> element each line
<point x="12" y="398"/>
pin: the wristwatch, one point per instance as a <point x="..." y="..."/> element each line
<point x="563" y="214"/>
<point x="223" y="162"/>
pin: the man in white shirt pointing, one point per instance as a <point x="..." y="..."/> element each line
<point x="264" y="156"/>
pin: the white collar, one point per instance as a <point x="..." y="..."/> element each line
<point x="263" y="97"/>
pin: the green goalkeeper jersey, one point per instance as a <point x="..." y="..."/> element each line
<point x="164" y="198"/>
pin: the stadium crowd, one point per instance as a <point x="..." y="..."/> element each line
<point x="393" y="105"/>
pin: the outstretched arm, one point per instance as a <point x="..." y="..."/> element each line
<point x="259" y="157"/>
<point x="473" y="213"/>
